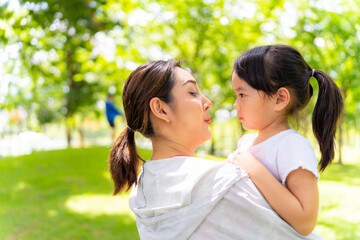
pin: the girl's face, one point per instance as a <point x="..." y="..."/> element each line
<point x="189" y="116"/>
<point x="254" y="108"/>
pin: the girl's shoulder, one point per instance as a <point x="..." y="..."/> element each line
<point x="294" y="151"/>
<point x="295" y="145"/>
<point x="293" y="137"/>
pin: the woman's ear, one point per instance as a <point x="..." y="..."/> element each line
<point x="160" y="109"/>
<point x="282" y="98"/>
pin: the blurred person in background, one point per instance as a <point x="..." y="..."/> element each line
<point x="111" y="112"/>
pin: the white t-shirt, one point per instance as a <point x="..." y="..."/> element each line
<point x="192" y="198"/>
<point x="282" y="153"/>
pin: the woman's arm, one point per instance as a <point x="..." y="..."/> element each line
<point x="297" y="205"/>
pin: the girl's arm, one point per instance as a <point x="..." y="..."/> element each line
<point x="297" y="205"/>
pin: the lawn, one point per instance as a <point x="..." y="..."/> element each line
<point x="66" y="194"/>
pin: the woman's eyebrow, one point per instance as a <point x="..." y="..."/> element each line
<point x="190" y="81"/>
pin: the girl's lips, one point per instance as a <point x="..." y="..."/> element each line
<point x="241" y="118"/>
<point x="208" y="121"/>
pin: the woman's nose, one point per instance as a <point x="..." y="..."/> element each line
<point x="207" y="104"/>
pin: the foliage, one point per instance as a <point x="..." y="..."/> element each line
<point x="72" y="52"/>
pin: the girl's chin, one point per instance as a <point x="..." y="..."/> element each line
<point x="246" y="127"/>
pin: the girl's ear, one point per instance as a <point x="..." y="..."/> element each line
<point x="160" y="109"/>
<point x="282" y="98"/>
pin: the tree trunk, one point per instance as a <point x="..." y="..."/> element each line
<point x="68" y="136"/>
<point x="212" y="146"/>
<point x="82" y="136"/>
<point x="82" y="133"/>
<point x="340" y="142"/>
<point x="344" y="89"/>
<point x="70" y="82"/>
<point x="238" y="132"/>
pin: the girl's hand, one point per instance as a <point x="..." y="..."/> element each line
<point x="248" y="162"/>
<point x="297" y="205"/>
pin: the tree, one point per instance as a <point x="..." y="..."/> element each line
<point x="73" y="51"/>
<point x="56" y="51"/>
<point x="330" y="42"/>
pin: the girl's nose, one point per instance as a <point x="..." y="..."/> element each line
<point x="236" y="106"/>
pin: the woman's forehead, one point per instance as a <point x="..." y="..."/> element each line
<point x="182" y="76"/>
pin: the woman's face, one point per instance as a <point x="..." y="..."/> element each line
<point x="189" y="110"/>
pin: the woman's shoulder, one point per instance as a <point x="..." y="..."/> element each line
<point x="177" y="160"/>
<point x="179" y="165"/>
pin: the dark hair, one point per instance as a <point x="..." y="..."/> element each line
<point x="268" y="68"/>
<point x="152" y="79"/>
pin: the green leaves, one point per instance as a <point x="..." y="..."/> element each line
<point x="80" y="48"/>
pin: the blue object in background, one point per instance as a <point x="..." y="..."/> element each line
<point x="112" y="112"/>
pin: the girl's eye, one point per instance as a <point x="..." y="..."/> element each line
<point x="242" y="95"/>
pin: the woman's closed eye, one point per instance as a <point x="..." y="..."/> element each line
<point x="195" y="94"/>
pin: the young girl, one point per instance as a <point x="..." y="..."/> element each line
<point x="271" y="83"/>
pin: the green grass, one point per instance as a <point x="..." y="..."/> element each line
<point x="66" y="194"/>
<point x="63" y="194"/>
<point x="339" y="217"/>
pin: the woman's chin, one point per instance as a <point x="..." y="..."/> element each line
<point x="203" y="139"/>
<point x="208" y="137"/>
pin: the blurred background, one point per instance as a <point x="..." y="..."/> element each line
<point x="60" y="59"/>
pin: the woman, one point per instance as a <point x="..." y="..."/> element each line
<point x="176" y="195"/>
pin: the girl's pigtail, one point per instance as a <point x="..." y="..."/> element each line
<point x="328" y="109"/>
<point x="124" y="161"/>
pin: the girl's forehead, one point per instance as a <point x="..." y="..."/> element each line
<point x="237" y="82"/>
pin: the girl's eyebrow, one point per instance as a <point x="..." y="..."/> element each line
<point x="241" y="88"/>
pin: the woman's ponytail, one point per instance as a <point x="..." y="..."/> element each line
<point x="124" y="161"/>
<point x="152" y="79"/>
<point x="328" y="109"/>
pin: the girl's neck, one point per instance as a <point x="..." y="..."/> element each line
<point x="164" y="148"/>
<point x="270" y="131"/>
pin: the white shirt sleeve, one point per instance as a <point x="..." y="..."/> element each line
<point x="243" y="213"/>
<point x="295" y="151"/>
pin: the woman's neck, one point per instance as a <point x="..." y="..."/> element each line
<point x="165" y="148"/>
